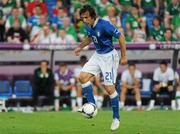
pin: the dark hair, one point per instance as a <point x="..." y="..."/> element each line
<point x="168" y="29"/>
<point x="83" y="59"/>
<point x="135" y="6"/>
<point x="62" y="64"/>
<point x="47" y="62"/>
<point x="132" y="64"/>
<point x="163" y="62"/>
<point x="90" y="9"/>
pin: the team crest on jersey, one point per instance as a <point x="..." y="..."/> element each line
<point x="98" y="33"/>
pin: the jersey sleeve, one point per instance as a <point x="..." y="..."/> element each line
<point x="112" y="30"/>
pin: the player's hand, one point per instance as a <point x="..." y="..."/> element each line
<point x="77" y="51"/>
<point x="123" y="61"/>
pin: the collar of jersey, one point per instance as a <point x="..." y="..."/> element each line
<point x="95" y="22"/>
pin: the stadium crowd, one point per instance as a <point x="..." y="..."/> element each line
<point x="58" y="21"/>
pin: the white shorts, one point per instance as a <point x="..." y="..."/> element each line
<point x="106" y="63"/>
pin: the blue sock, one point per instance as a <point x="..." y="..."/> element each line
<point x="88" y="92"/>
<point x="115" y="104"/>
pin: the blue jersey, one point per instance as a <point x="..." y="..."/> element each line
<point x="101" y="34"/>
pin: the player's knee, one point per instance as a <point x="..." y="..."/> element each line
<point x="123" y="91"/>
<point x="156" y="88"/>
<point x="136" y="90"/>
<point x="83" y="79"/>
<point x="170" y="88"/>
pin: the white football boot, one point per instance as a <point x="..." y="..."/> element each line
<point x="115" y="124"/>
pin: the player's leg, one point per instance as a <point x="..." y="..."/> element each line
<point x="156" y="89"/>
<point x="90" y="69"/>
<point x="172" y="96"/>
<point x="56" y="98"/>
<point x="87" y="87"/>
<point x="79" y="95"/>
<point x="138" y="97"/>
<point x="35" y="96"/>
<point x="73" y="98"/>
<point x="123" y="95"/>
<point x="95" y="93"/>
<point x="110" y="89"/>
<point x="178" y="97"/>
<point x="109" y="64"/>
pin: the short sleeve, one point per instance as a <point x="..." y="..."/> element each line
<point x="171" y="75"/>
<point x="112" y="30"/>
<point x="155" y="75"/>
<point x="139" y="74"/>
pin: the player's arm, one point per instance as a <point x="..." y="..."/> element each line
<point x="123" y="49"/>
<point x="86" y="41"/>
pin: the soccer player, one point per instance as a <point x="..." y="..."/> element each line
<point x="105" y="59"/>
<point x="131" y="81"/>
<point x="163" y="79"/>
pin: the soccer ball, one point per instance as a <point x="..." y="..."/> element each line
<point x="89" y="110"/>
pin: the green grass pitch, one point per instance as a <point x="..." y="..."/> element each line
<point x="155" y="122"/>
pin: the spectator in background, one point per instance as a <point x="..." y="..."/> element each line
<point x="64" y="38"/>
<point x="34" y="20"/>
<point x="16" y="34"/>
<point x="128" y="33"/>
<point x="2" y="26"/>
<point x="163" y="78"/>
<point x="178" y="34"/>
<point x="175" y="23"/>
<point x="157" y="32"/>
<point x="131" y="81"/>
<point x="24" y="3"/>
<point x="126" y="4"/>
<point x="79" y="25"/>
<point x="102" y="7"/>
<point x="172" y="10"/>
<point x="69" y="28"/>
<point x="59" y="4"/>
<point x="33" y="4"/>
<point x="177" y="74"/>
<point x="65" y="87"/>
<point x="43" y="83"/>
<point x="57" y="19"/>
<point x="139" y="34"/>
<point x="45" y="36"/>
<point x="37" y="28"/>
<point x="15" y="15"/>
<point x="149" y="6"/>
<point x="111" y="14"/>
<point x="7" y="6"/>
<point x="134" y="19"/>
<point x="168" y="36"/>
